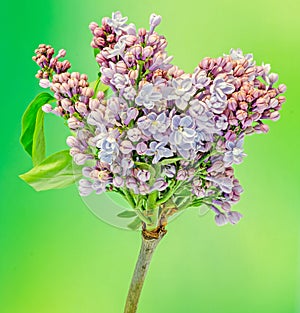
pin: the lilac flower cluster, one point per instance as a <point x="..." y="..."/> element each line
<point x="165" y="140"/>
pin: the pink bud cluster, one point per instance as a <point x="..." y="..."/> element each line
<point x="255" y="97"/>
<point x="49" y="64"/>
<point x="75" y="98"/>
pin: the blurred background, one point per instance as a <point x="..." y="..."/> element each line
<point x="57" y="257"/>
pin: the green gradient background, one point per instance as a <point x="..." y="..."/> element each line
<point x="56" y="257"/>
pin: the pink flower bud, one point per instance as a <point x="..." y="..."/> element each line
<point x="153" y="39"/>
<point x="234" y="217"/>
<point x="110" y="38"/>
<point x="81" y="158"/>
<point x="273" y="103"/>
<point x="72" y="141"/>
<point x="261" y="128"/>
<point x="133" y="74"/>
<point x="61" y="53"/>
<point x="118" y="182"/>
<point x="136" y="50"/>
<point x="126" y="147"/>
<point x="47" y="108"/>
<point x="226" y="206"/>
<point x="100" y="95"/>
<point x="159" y="185"/>
<point x="73" y="123"/>
<point x="181" y="175"/>
<point x="282" y="88"/>
<point x="221" y="219"/>
<point x="147" y="52"/>
<point x="66" y="103"/>
<point x="142" y="32"/>
<point x="94" y="104"/>
<point x="273" y="78"/>
<point x="87" y="91"/>
<point x="81" y="108"/>
<point x="121" y="67"/>
<point x="141" y="148"/>
<point x="130" y="40"/>
<point x="238" y="70"/>
<point x="93" y="26"/>
<point x="154" y="20"/>
<point x="232" y="104"/>
<point x="274" y="116"/>
<point x="230" y="135"/>
<point x="45" y="83"/>
<point x="144" y="189"/>
<point x="241" y="115"/>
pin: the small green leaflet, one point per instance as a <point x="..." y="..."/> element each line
<point x="57" y="171"/>
<point x="135" y="224"/>
<point x="32" y="135"/>
<point x="127" y="214"/>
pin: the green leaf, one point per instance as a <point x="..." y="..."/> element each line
<point x="170" y="161"/>
<point x="197" y="202"/>
<point x="97" y="86"/>
<point x="135" y="224"/>
<point x="127" y="214"/>
<point x="96" y="51"/>
<point x="108" y="93"/>
<point x="33" y="126"/>
<point x="184" y="192"/>
<point x="38" y="140"/>
<point x="57" y="171"/>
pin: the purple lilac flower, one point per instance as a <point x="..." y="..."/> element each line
<point x="169" y="171"/>
<point x="182" y="92"/>
<point x="118" y="49"/>
<point x="158" y="110"/>
<point x="134" y="134"/>
<point x="148" y="96"/>
<point x="117" y="22"/>
<point x="154" y="125"/>
<point x="159" y="150"/>
<point x="200" y="79"/>
<point x="143" y="175"/>
<point x="120" y="81"/>
<point x="109" y="150"/>
<point x="85" y="187"/>
<point x="221" y="219"/>
<point x="160" y="185"/>
<point x="234" y="153"/>
<point x="129" y="93"/>
<point x="141" y="148"/>
<point x="154" y="22"/>
<point x="183" y="134"/>
<point x="225" y="183"/>
<point x="118" y="181"/>
<point x="234" y="217"/>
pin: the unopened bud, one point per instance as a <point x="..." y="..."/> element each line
<point x="47" y="108"/>
<point x="93" y="26"/>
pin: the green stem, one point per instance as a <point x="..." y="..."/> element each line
<point x="169" y="194"/>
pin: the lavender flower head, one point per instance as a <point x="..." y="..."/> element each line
<point x="163" y="139"/>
